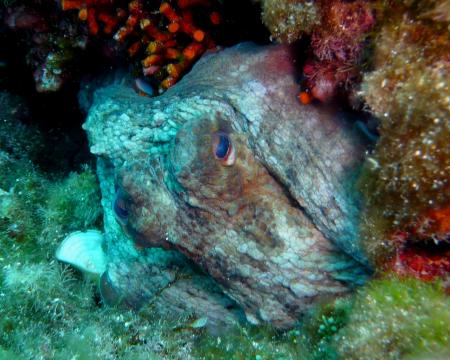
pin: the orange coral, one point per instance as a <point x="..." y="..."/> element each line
<point x="168" y="33"/>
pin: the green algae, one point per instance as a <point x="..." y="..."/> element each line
<point x="406" y="177"/>
<point x="389" y="318"/>
<point x="258" y="343"/>
<point x="289" y="20"/>
<point x="321" y="325"/>
<point x="394" y="317"/>
<point x="51" y="311"/>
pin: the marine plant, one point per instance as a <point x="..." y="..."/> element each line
<point x="34" y="209"/>
<point x="395" y="317"/>
<point x="289" y="20"/>
<point x="407" y="186"/>
<point x="319" y="328"/>
<point x="391" y="317"/>
<point x="48" y="310"/>
<point x="337" y="30"/>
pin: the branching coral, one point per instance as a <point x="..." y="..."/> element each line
<point x="167" y="32"/>
<point x="167" y="35"/>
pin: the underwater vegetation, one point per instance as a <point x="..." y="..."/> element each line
<point x="390" y="318"/>
<point x="47" y="309"/>
<point x="338" y="46"/>
<point x="289" y="20"/>
<point x="407" y="184"/>
<point x="390" y="56"/>
<point x="393" y="318"/>
<point x="36" y="210"/>
<point x="337" y="31"/>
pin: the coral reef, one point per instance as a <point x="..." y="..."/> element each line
<point x="50" y="310"/>
<point x="407" y="182"/>
<point x="166" y="38"/>
<point x="166" y="32"/>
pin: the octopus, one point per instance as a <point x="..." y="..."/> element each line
<point x="225" y="197"/>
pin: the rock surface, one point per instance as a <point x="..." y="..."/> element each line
<point x="225" y="190"/>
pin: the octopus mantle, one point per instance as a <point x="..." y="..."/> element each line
<point x="224" y="196"/>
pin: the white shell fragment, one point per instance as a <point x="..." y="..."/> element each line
<point x="84" y="251"/>
<point x="199" y="323"/>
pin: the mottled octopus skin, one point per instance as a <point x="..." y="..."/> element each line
<point x="276" y="231"/>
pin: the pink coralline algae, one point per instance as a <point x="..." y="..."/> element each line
<point x="337" y="47"/>
<point x="337" y="30"/>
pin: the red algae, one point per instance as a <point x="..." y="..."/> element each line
<point x="338" y="31"/>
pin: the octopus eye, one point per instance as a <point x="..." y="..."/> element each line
<point x="223" y="149"/>
<point x="120" y="209"/>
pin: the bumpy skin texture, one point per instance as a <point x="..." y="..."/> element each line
<point x="276" y="230"/>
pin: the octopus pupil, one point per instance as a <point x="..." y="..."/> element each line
<point x="222" y="146"/>
<point x="120" y="210"/>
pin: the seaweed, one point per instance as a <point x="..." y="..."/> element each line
<point x="406" y="182"/>
<point x="393" y="317"/>
<point x="289" y="20"/>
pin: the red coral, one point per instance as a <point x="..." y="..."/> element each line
<point x="169" y="35"/>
